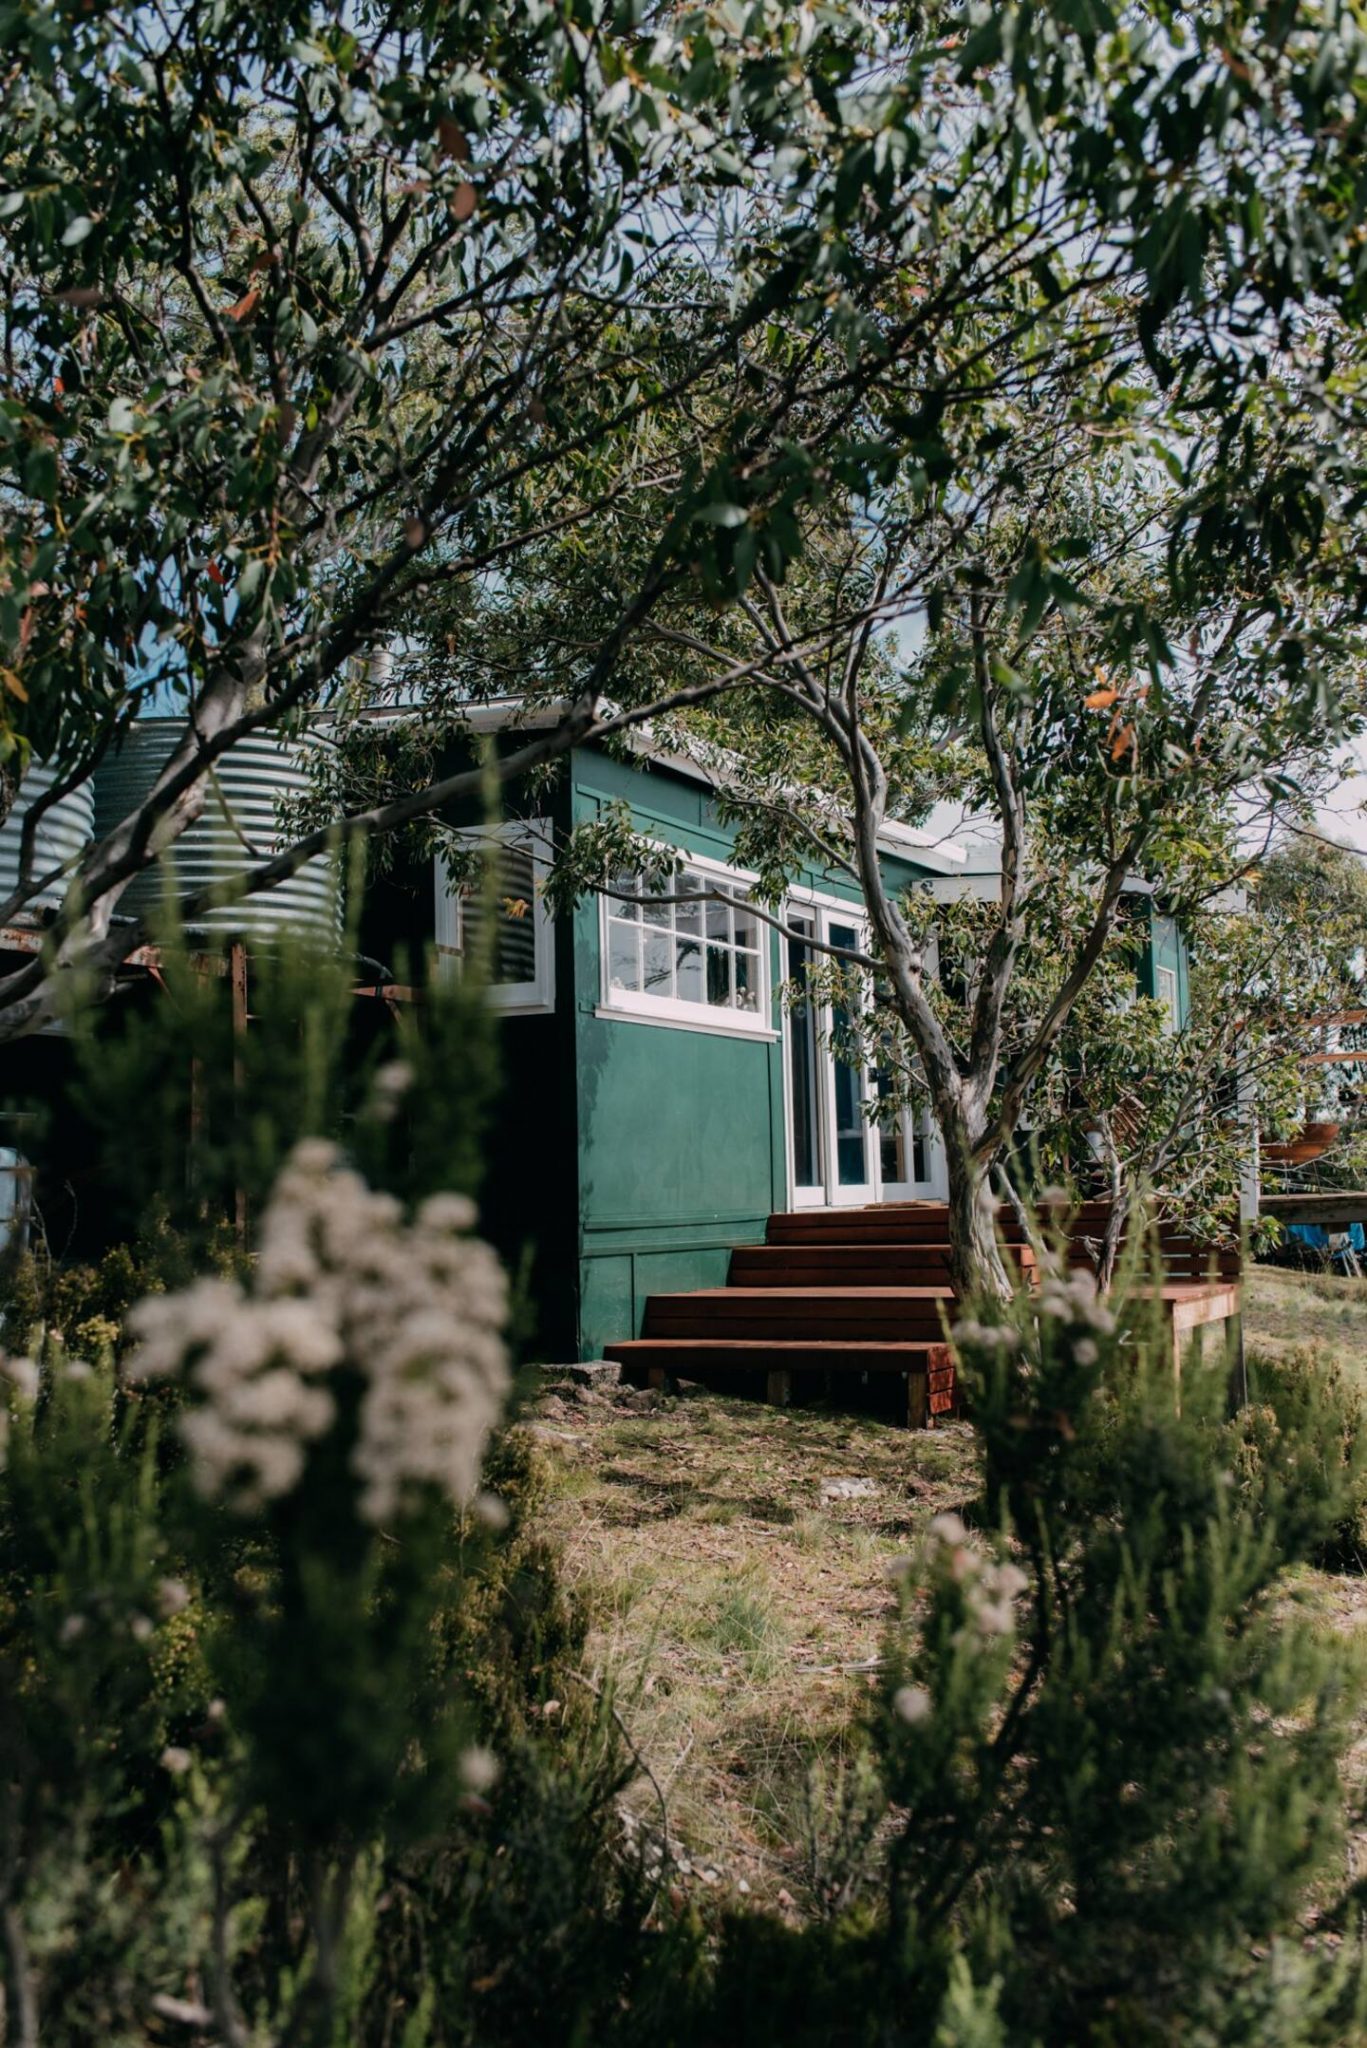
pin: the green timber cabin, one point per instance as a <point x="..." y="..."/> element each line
<point x="658" y="1102"/>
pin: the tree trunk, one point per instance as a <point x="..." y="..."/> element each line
<point x="976" y="1266"/>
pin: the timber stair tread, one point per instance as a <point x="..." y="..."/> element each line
<point x="773" y="1354"/>
<point x="850" y="1312"/>
<point x="845" y="1265"/>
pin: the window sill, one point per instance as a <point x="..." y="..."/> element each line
<point x="705" y="1025"/>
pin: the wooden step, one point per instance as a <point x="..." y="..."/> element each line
<point x="927" y="1369"/>
<point x="681" y="1355"/>
<point x="891" y="1314"/>
<point x="918" y="1224"/>
<point x="887" y="1223"/>
<point x="847" y="1265"/>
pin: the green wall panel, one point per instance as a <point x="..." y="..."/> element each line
<point x="606" y="1300"/>
<point x="680" y="1133"/>
<point x="675" y="1125"/>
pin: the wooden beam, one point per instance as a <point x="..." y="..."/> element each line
<point x="1331" y="1211"/>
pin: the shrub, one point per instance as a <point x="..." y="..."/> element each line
<point x="1305" y="1432"/>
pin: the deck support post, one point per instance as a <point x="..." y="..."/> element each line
<point x="1238" y="1364"/>
<point x="918" y="1389"/>
<point x="778" y="1389"/>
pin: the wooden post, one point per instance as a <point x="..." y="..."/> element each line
<point x="778" y="1389"/>
<point x="917" y="1400"/>
<point x="1238" y="1364"/>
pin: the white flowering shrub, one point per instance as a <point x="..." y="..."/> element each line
<point x="955" y="1637"/>
<point x="1084" y="1674"/>
<point x="345" y="1293"/>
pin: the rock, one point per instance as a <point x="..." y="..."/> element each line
<point x="848" y="1489"/>
<point x="544" y="1434"/>
<point x="588" y="1372"/>
<point x="642" y="1400"/>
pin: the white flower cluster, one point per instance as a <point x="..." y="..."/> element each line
<point x="18" y="1383"/>
<point x="989" y="1589"/>
<point x="989" y="1592"/>
<point x="1074" y="1298"/>
<point x="985" y="1336"/>
<point x="415" y="1310"/>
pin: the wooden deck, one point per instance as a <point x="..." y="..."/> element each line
<point x="838" y="1292"/>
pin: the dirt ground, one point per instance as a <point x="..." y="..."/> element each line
<point x="737" y="1561"/>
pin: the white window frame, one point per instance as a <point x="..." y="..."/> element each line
<point x="829" y="1192"/>
<point x="641" y="1007"/>
<point x="1163" y="979"/>
<point x="535" y="997"/>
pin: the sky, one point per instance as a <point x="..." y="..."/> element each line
<point x="1341" y="816"/>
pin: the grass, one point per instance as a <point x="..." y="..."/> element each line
<point x="735" y="1604"/>
<point x="1285" y="1309"/>
<point x="738" y="1606"/>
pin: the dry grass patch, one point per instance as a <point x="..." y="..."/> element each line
<point x="736" y="1595"/>
<point x="1284" y="1310"/>
<point x="739" y="1597"/>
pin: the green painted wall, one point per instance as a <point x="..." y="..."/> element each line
<point x="1166" y="947"/>
<point x="680" y="1138"/>
<point x="681" y="1143"/>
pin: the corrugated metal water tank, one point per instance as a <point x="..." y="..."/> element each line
<point x="63" y="835"/>
<point x="241" y="804"/>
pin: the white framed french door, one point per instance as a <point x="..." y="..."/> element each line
<point x="841" y="1152"/>
<point x="833" y="1144"/>
<point x="911" y="1158"/>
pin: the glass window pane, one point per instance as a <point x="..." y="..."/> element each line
<point x="688" y="916"/>
<point x="746" y="926"/>
<point x="802" y="1079"/>
<point x="657" y="913"/>
<point x="659" y="963"/>
<point x="719" y="976"/>
<point x="690" y="972"/>
<point x="616" y="908"/>
<point x="624" y="955"/>
<point x="747" y="981"/>
<point x="851" y="1131"/>
<point x="515" y="954"/>
<point x="718" y="920"/>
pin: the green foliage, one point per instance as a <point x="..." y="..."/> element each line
<point x="96" y="1676"/>
<point x="1097" y="1797"/>
<point x="351" y="1781"/>
<point x="1305" y="1432"/>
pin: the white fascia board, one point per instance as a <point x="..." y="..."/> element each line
<point x="985" y="885"/>
<point x="930" y="849"/>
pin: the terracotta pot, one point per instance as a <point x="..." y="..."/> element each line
<point x="1314" y="1140"/>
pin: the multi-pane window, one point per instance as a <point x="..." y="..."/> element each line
<point x="660" y="954"/>
<point x="509" y="892"/>
<point x="519" y="960"/>
<point x="1165" y="989"/>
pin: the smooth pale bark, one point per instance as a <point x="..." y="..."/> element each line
<point x="976" y="1264"/>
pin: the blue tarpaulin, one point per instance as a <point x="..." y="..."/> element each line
<point x="1316" y="1238"/>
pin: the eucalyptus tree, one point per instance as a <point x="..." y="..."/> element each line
<point x="322" y="320"/>
<point x="1045" y="635"/>
<point x="311" y="310"/>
